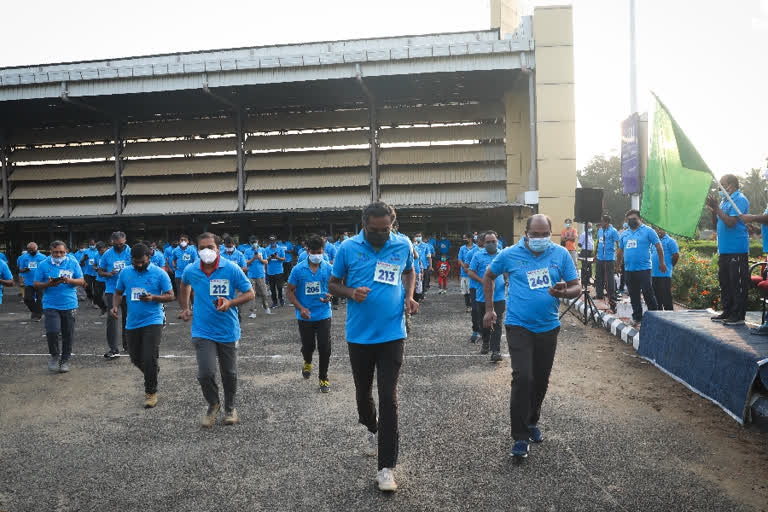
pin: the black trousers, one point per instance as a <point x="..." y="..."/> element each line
<point x="89" y="280"/>
<point x="33" y="298"/>
<point x="639" y="281"/>
<point x="144" y="348"/>
<point x="531" y="355"/>
<point x="734" y="284"/>
<point x="287" y="267"/>
<point x="386" y="360"/>
<point x="662" y="288"/>
<point x="604" y="279"/>
<point x="276" y="288"/>
<point x="98" y="294"/>
<point x="475" y="311"/>
<point x="492" y="336"/>
<point x="427" y="278"/>
<point x="316" y="334"/>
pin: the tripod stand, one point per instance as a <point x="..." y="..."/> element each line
<point x="591" y="313"/>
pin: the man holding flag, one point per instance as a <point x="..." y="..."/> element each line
<point x="762" y="219"/>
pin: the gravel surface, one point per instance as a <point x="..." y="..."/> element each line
<point x="619" y="435"/>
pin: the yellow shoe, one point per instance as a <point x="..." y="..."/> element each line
<point x="231" y="417"/>
<point x="209" y="417"/>
<point x="150" y="400"/>
<point x="306" y="370"/>
<point x="325" y="386"/>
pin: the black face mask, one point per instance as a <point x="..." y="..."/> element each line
<point x="32" y="253"/>
<point x="140" y="268"/>
<point x="376" y="239"/>
<point x="633" y="223"/>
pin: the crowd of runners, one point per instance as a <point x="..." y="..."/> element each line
<point x="379" y="274"/>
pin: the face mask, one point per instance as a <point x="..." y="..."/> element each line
<point x="32" y="253"/>
<point x="230" y="250"/>
<point x="255" y="245"/>
<point x="346" y="237"/>
<point x="474" y="238"/>
<point x="625" y="225"/>
<point x="589" y="228"/>
<point x="183" y="245"/>
<point x="539" y="244"/>
<point x="273" y="244"/>
<point x="567" y="224"/>
<point x="722" y="195"/>
<point x="315" y="258"/>
<point x="91" y="246"/>
<point x="442" y="259"/>
<point x="376" y="239"/>
<point x="491" y="247"/>
<point x="141" y="268"/>
<point x="417" y="239"/>
<point x="208" y="256"/>
<point x="58" y="261"/>
<point x="634" y="223"/>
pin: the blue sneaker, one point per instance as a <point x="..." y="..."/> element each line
<point x="474" y="337"/>
<point x="534" y="434"/>
<point x="520" y="449"/>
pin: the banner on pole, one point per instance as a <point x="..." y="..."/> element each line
<point x="630" y="155"/>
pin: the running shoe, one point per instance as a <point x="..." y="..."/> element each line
<point x="209" y="417"/>
<point x="496" y="357"/>
<point x="150" y="400"/>
<point x="733" y="321"/>
<point x="385" y="479"/>
<point x="325" y="386"/>
<point x="268" y="311"/>
<point x="53" y="364"/>
<point x="520" y="449"/>
<point x="252" y="315"/>
<point x="63" y="366"/>
<point x="273" y="306"/>
<point x="534" y="434"/>
<point x="474" y="337"/>
<point x="231" y="417"/>
<point x="719" y="318"/>
<point x="306" y="370"/>
<point x="111" y="355"/>
<point x="370" y="444"/>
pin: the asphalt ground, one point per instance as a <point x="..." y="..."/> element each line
<point x="619" y="435"/>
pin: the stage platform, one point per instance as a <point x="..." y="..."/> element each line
<point x="726" y="365"/>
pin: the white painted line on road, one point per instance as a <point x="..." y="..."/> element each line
<point x="275" y="356"/>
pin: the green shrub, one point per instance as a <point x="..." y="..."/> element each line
<point x="709" y="247"/>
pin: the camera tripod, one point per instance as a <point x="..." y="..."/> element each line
<point x="591" y="313"/>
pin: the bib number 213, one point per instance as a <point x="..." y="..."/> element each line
<point x="387" y="273"/>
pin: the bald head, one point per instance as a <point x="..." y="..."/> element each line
<point x="31" y="247"/>
<point x="538" y="226"/>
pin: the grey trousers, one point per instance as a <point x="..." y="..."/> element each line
<point x="112" y="323"/>
<point x="207" y="351"/>
<point x="60" y="321"/>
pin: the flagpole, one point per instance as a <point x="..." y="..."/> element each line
<point x="633" y="82"/>
<point x="727" y="195"/>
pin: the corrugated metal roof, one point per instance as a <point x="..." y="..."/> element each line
<point x="335" y="200"/>
<point x="176" y="186"/>
<point x="307" y="140"/>
<point x="308" y="160"/>
<point x="62" y="172"/>
<point x="63" y="153"/>
<point x="444" y="195"/>
<point x="174" y="166"/>
<point x="65" y="208"/>
<point x="293" y="180"/>
<point x="442" y="154"/>
<point x="53" y="191"/>
<point x="178" y="128"/>
<point x="307" y="121"/>
<point x="415" y="175"/>
<point x="442" y="133"/>
<point x="180" y="147"/>
<point x="441" y="113"/>
<point x="180" y="204"/>
<point x="62" y="135"/>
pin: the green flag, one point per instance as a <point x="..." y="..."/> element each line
<point x="677" y="180"/>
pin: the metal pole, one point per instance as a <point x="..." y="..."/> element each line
<point x="633" y="77"/>
<point x="240" y="162"/>
<point x="533" y="172"/>
<point x="373" y="135"/>
<point x="118" y="170"/>
<point x="6" y="192"/>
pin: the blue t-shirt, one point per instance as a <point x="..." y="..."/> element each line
<point x="480" y="261"/>
<point x="157" y="259"/>
<point x="3" y="258"/>
<point x="5" y="273"/>
<point x="670" y="247"/>
<point x="606" y="243"/>
<point x="473" y="285"/>
<point x="310" y="288"/>
<point x="381" y="316"/>
<point x="274" y="265"/>
<point x="433" y="244"/>
<point x="529" y="303"/>
<point x="168" y="254"/>
<point x="113" y="260"/>
<point x="91" y="260"/>
<point x="182" y="258"/>
<point x="243" y="247"/>
<point x="733" y="240"/>
<point x="764" y="233"/>
<point x="98" y="261"/>
<point x="424" y="251"/>
<point x="63" y="296"/>
<point x="288" y="246"/>
<point x="463" y="257"/>
<point x="255" y="269"/>
<point x="330" y="250"/>
<point x="225" y="281"/>
<point x="444" y="246"/>
<point x="131" y="283"/>
<point x="235" y="257"/>
<point x="30" y="262"/>
<point x="637" y="246"/>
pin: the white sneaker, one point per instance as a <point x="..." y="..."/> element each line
<point x="252" y="315"/>
<point x="268" y="311"/>
<point x="385" y="479"/>
<point x="371" y="444"/>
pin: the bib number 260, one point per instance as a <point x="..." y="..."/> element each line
<point x="538" y="279"/>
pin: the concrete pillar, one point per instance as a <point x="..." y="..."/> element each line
<point x="505" y="15"/>
<point x="517" y="144"/>
<point x="555" y="113"/>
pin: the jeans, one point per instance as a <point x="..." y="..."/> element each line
<point x="531" y="355"/>
<point x="60" y="321"/>
<point x="316" y="334"/>
<point x="207" y="351"/>
<point x="112" y="323"/>
<point x="33" y="298"/>
<point x="604" y="279"/>
<point x="662" y="287"/>
<point x="144" y="348"/>
<point x="385" y="359"/>
<point x="276" y="288"/>
<point x="640" y="281"/>
<point x="492" y="338"/>
<point x="475" y="310"/>
<point x="734" y="284"/>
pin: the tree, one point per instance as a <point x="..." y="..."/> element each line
<point x="753" y="186"/>
<point x="606" y="174"/>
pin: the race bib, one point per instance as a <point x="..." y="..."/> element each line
<point x="219" y="287"/>
<point x="387" y="273"/>
<point x="538" y="279"/>
<point x="90" y="261"/>
<point x="601" y="240"/>
<point x="65" y="273"/>
<point x="312" y="288"/>
<point x="631" y="244"/>
<point x="136" y="294"/>
<point x="118" y="265"/>
<point x="32" y="264"/>
<point x="186" y="257"/>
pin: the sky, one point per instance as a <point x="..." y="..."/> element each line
<point x="706" y="59"/>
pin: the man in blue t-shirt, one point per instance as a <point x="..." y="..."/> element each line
<point x="607" y="241"/>
<point x="469" y="244"/>
<point x="27" y="263"/>
<point x="184" y="254"/>
<point x="540" y="274"/>
<point x="662" y="281"/>
<point x="256" y="272"/>
<point x="635" y="251"/>
<point x="733" y="250"/>
<point x="480" y="262"/>
<point x="59" y="276"/>
<point x="307" y="290"/>
<point x="289" y="258"/>
<point x="444" y="246"/>
<point x="6" y="278"/>
<point x="275" y="256"/>
<point x="425" y="262"/>
<point x="216" y="283"/>
<point x="369" y="269"/>
<point x="88" y="257"/>
<point x="145" y="287"/>
<point x="473" y="285"/>
<point x="111" y="263"/>
<point x="762" y="219"/>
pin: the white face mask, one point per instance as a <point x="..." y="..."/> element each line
<point x="57" y="261"/>
<point x="229" y="249"/>
<point x="417" y="239"/>
<point x="315" y="258"/>
<point x="208" y="256"/>
<point x="183" y="245"/>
